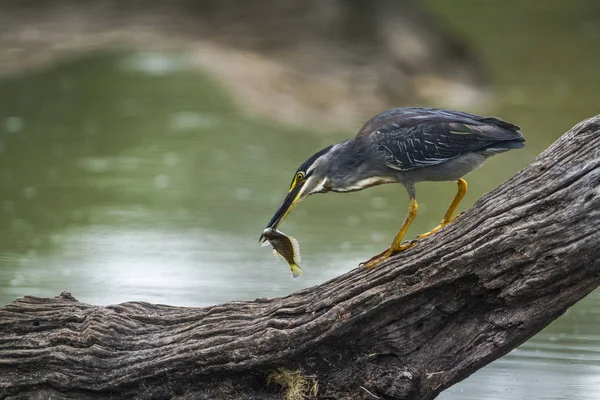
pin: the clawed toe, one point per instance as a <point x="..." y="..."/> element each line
<point x="458" y="216"/>
<point x="373" y="261"/>
<point x="384" y="255"/>
<point x="442" y="224"/>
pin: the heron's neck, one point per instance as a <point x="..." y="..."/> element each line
<point x="352" y="169"/>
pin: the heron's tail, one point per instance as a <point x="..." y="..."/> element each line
<point x="509" y="144"/>
<point x="501" y="147"/>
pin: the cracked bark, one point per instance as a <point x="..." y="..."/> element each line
<point x="408" y="329"/>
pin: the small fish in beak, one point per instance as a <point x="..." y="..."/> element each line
<point x="286" y="247"/>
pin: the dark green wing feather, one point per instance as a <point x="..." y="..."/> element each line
<point x="415" y="137"/>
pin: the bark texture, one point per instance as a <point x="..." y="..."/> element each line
<point x="408" y="329"/>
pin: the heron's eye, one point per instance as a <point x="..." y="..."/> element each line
<point x="299" y="177"/>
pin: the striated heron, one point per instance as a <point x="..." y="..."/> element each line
<point x="403" y="145"/>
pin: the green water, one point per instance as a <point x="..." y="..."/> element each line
<point x="132" y="177"/>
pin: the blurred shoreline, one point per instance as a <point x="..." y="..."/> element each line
<point x="286" y="61"/>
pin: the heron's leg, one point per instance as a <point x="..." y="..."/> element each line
<point x="462" y="190"/>
<point x="397" y="245"/>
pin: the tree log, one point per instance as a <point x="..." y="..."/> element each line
<point x="407" y="329"/>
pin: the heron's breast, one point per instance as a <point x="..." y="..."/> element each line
<point x="365" y="183"/>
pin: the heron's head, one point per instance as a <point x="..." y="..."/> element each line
<point x="310" y="178"/>
<point x="344" y="167"/>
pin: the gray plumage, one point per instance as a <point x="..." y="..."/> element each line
<point x="413" y="138"/>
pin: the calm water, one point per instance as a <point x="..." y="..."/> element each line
<point x="132" y="177"/>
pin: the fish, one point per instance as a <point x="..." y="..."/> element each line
<point x="286" y="247"/>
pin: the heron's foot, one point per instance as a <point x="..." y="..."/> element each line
<point x="431" y="232"/>
<point x="457" y="216"/>
<point x="387" y="253"/>
<point x="440" y="226"/>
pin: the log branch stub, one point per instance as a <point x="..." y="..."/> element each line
<point x="407" y="329"/>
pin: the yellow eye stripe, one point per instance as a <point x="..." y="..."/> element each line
<point x="299" y="176"/>
<point x="293" y="184"/>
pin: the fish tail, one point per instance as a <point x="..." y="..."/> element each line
<point x="296" y="270"/>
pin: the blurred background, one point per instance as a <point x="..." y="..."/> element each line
<point x="144" y="145"/>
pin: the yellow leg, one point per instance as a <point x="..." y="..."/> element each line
<point x="462" y="190"/>
<point x="397" y="245"/>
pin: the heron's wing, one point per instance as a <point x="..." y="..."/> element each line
<point x="434" y="136"/>
<point x="409" y="117"/>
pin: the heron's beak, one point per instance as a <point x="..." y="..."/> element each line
<point x="293" y="197"/>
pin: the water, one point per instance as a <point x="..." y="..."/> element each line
<point x="133" y="177"/>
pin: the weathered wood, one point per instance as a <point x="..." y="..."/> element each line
<point x="407" y="329"/>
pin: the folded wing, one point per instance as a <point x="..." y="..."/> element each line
<point x="414" y="138"/>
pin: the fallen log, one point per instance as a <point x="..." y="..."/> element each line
<point x="407" y="329"/>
